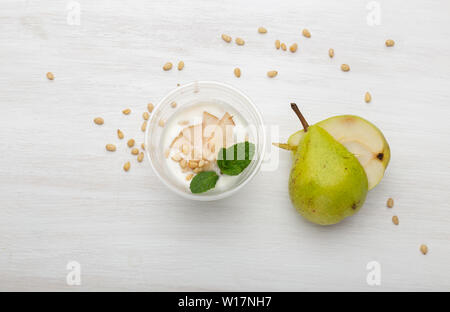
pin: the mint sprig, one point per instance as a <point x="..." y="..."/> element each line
<point x="233" y="160"/>
<point x="203" y="182"/>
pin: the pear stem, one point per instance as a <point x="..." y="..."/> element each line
<point x="300" y="116"/>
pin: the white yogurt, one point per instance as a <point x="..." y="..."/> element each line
<point x="194" y="115"/>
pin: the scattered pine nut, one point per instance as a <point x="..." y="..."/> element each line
<point x="390" y="43"/>
<point x="150" y="107"/>
<point x="390" y="203"/>
<point x="167" y="66"/>
<point x="180" y="65"/>
<point x="293" y="48"/>
<point x="143" y="146"/>
<point x="120" y="134"/>
<point x="161" y="123"/>
<point x="395" y="220"/>
<point x="145" y="115"/>
<point x="140" y="157"/>
<point x="306" y="33"/>
<point x="283" y="46"/>
<point x="345" y="67"/>
<point x="50" y="76"/>
<point x="126" y="111"/>
<point x="134" y="151"/>
<point x="126" y="166"/>
<point x="277" y="44"/>
<point x="110" y="147"/>
<point x="193" y="164"/>
<point x="226" y="38"/>
<point x="424" y="249"/>
<point x="272" y="73"/>
<point x="173" y="104"/>
<point x="144" y="126"/>
<point x="130" y="143"/>
<point x="237" y="72"/>
<point x="331" y="53"/>
<point x="99" y="121"/>
<point x="240" y="41"/>
<point x="189" y="177"/>
<point x="368" y="98"/>
<point x="262" y="30"/>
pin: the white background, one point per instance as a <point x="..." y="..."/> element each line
<point x="64" y="198"/>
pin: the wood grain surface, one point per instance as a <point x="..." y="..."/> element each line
<point x="64" y="198"/>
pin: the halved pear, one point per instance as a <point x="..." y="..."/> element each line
<point x="360" y="137"/>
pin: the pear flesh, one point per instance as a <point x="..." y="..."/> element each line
<point x="362" y="138"/>
<point x="327" y="183"/>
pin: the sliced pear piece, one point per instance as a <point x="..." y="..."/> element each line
<point x="222" y="135"/>
<point x="209" y="124"/>
<point x="362" y="138"/>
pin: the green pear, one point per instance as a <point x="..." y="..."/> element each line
<point x="362" y="138"/>
<point x="327" y="183"/>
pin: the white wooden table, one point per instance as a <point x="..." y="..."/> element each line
<point x="64" y="198"/>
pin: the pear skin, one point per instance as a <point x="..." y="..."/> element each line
<point x="327" y="183"/>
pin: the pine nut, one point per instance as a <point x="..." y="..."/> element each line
<point x="424" y="249"/>
<point x="390" y="203"/>
<point x="126" y="166"/>
<point x="345" y="67"/>
<point x="306" y="33"/>
<point x="126" y="111"/>
<point x="99" y="121"/>
<point x="272" y="73"/>
<point x="293" y="48"/>
<point x="390" y="43"/>
<point x="180" y="65"/>
<point x="237" y="72"/>
<point x="240" y="41"/>
<point x="144" y="126"/>
<point x="226" y="38"/>
<point x="176" y="157"/>
<point x="331" y="52"/>
<point x="395" y="220"/>
<point x="150" y="107"/>
<point x="140" y="157"/>
<point x="145" y="115"/>
<point x="134" y="151"/>
<point x="50" y="76"/>
<point x="110" y="147"/>
<point x="277" y="44"/>
<point x="262" y="30"/>
<point x="130" y="143"/>
<point x="120" y="134"/>
<point x="167" y="66"/>
<point x="368" y="98"/>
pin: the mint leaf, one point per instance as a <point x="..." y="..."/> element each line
<point x="203" y="181"/>
<point x="233" y="160"/>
